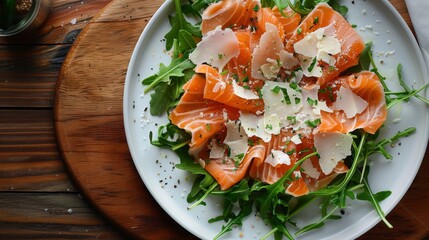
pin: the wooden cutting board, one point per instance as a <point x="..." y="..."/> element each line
<point x="89" y="121"/>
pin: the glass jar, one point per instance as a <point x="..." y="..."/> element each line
<point x="26" y="17"/>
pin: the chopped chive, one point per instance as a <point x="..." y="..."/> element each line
<point x="313" y="63"/>
<point x="313" y="123"/>
<point x="256" y="8"/>
<point x="316" y="20"/>
<point x="291" y="152"/>
<point x="292" y="119"/>
<point x="276" y="89"/>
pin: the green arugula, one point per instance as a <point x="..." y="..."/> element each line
<point x="165" y="73"/>
<point x="202" y="4"/>
<point x="304" y="7"/>
<point x="167" y="84"/>
<point x="178" y="22"/>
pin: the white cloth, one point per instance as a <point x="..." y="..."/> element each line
<point x="419" y="10"/>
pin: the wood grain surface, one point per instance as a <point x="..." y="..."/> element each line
<point x="39" y="198"/>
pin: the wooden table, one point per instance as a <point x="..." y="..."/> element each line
<point x="38" y="196"/>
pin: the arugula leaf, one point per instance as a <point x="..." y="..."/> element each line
<point x="317" y="224"/>
<point x="304" y="7"/>
<point x="186" y="41"/>
<point x="375" y="199"/>
<point x="201" y="4"/>
<point x="227" y="213"/>
<point x="178" y="22"/>
<point x="238" y="191"/>
<point x="338" y="7"/>
<point x="196" y="169"/>
<point x="165" y="95"/>
<point x="245" y="210"/>
<point x="269" y="193"/>
<point x="174" y="69"/>
<point x="172" y="137"/>
<point x="404" y="85"/>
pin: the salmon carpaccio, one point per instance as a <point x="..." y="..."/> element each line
<point x="277" y="126"/>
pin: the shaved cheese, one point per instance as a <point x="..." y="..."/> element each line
<point x="216" y="49"/>
<point x="319" y="45"/>
<point x="329" y="45"/>
<point x="332" y="148"/>
<point x="270" y="69"/>
<point x="272" y="123"/>
<point x="236" y="139"/>
<point x="308" y="45"/>
<point x="277" y="157"/>
<point x="287" y="60"/>
<point x="274" y="99"/>
<point x="312" y="93"/>
<point x="254" y="126"/>
<point x="296" y="139"/>
<point x="276" y="108"/>
<point x="298" y="76"/>
<point x="309" y="169"/>
<point x="216" y="151"/>
<point x="321" y="106"/>
<point x="268" y="49"/>
<point x="242" y="92"/>
<point x="349" y="102"/>
<point x="310" y="66"/>
<point x="309" y="112"/>
<point x="327" y="58"/>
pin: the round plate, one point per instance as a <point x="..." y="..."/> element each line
<point x="393" y="43"/>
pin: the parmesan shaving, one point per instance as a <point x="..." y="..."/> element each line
<point x="216" y="49"/>
<point x="332" y="148"/>
<point x="349" y="102"/>
<point x="277" y="157"/>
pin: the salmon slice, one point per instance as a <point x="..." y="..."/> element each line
<point x="289" y="20"/>
<point x="351" y="43"/>
<point x="366" y="85"/>
<point x="298" y="188"/>
<point x="264" y="171"/>
<point x="227" y="173"/>
<point x="218" y="87"/>
<point x="229" y="14"/>
<point x="304" y="179"/>
<point x="286" y="24"/>
<point x="266" y="15"/>
<point x="239" y="67"/>
<point x="201" y="117"/>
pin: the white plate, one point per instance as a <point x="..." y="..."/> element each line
<point x="376" y="21"/>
